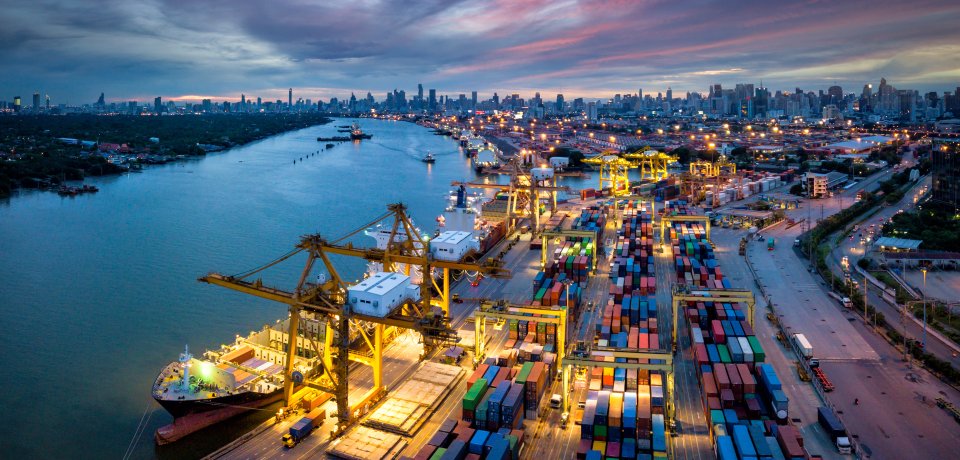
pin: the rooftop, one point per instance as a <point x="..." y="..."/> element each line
<point x="898" y="243"/>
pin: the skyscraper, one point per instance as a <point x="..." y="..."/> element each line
<point x="420" y="91"/>
<point x="473" y="100"/>
<point x="290" y="99"/>
<point x="157" y="105"/>
<point x="560" y="103"/>
<point x="945" y="162"/>
<point x="433" y="100"/>
<point x="669" y="94"/>
<point x="100" y="102"/>
<point x="17" y="103"/>
<point x="36" y="101"/>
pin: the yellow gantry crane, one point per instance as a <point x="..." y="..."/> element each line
<point x="652" y="163"/>
<point x="613" y="173"/>
<point x="351" y="336"/>
<point x="524" y="193"/>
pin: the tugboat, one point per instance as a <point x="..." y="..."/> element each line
<point x="356" y="133"/>
<point x="429" y="158"/>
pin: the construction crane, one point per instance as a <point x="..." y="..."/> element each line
<point x="359" y="337"/>
<point x="524" y="191"/>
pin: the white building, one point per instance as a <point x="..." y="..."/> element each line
<point x="452" y="245"/>
<point x="380" y="293"/>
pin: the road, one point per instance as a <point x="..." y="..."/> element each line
<point x="859" y="362"/>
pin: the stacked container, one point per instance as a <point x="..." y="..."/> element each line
<point x="742" y="396"/>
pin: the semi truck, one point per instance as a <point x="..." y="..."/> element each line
<point x="303" y="427"/>
<point x="834" y="428"/>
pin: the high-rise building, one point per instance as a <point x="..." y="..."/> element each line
<point x="432" y="104"/>
<point x="36" y="101"/>
<point x="132" y="107"/>
<point x="100" y="102"/>
<point x="669" y="93"/>
<point x="420" y="91"/>
<point x="592" y="111"/>
<point x="48" y="102"/>
<point x="157" y="105"/>
<point x="560" y="103"/>
<point x="473" y="100"/>
<point x="259" y="104"/>
<point x="945" y="162"/>
<point x="16" y="103"/>
<point x="290" y="99"/>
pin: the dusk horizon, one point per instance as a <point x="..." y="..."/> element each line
<point x="74" y="51"/>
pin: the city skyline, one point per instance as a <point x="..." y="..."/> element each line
<point x="73" y="51"/>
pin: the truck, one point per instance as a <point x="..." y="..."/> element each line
<point x="834" y="428"/>
<point x="803" y="345"/>
<point x="303" y="427"/>
<point x="770" y="243"/>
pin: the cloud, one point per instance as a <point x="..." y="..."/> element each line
<point x="73" y="49"/>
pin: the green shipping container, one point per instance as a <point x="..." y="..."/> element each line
<point x="438" y="453"/>
<point x="472" y="398"/>
<point x="716" y="417"/>
<point x="758" y="354"/>
<point x="524" y="373"/>
<point x="724" y="353"/>
<point x="542" y="292"/>
<point x="600" y="431"/>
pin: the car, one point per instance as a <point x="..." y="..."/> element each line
<point x="564" y="418"/>
<point x="456" y="298"/>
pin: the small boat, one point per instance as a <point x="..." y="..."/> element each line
<point x="429" y="158"/>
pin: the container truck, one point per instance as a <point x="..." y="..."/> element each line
<point x="303" y="427"/>
<point x="832" y="425"/>
<point x="803" y="345"/>
<point x="770" y="243"/>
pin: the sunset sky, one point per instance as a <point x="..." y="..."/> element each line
<point x="73" y="50"/>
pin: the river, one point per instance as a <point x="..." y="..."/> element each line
<point x="100" y="291"/>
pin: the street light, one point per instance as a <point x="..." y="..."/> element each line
<point x="924" y="293"/>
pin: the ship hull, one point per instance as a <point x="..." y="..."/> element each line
<point x="191" y="416"/>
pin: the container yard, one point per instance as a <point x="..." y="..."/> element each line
<point x="561" y="341"/>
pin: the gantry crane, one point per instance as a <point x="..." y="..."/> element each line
<point x="622" y="358"/>
<point x="652" y="163"/>
<point x="523" y="191"/>
<point x="613" y="173"/>
<point x="354" y="331"/>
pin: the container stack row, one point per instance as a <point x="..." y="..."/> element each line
<point x="457" y="440"/>
<point x="743" y="397"/>
<point x="623" y="412"/>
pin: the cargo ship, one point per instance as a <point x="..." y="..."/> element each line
<point x="486" y="159"/>
<point x="237" y="378"/>
<point x="464" y="214"/>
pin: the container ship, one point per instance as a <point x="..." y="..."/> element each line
<point x="486" y="159"/>
<point x="466" y="214"/>
<point x="245" y="375"/>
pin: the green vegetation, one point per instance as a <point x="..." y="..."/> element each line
<point x="796" y="189"/>
<point x="938" y="226"/>
<point x="32" y="156"/>
<point x="887" y="279"/>
<point x="576" y="157"/>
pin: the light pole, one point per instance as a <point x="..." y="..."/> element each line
<point x="924" y="293"/>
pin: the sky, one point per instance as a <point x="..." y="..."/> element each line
<point x="189" y="49"/>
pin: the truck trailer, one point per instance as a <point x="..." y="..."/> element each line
<point x="303" y="427"/>
<point x="832" y="425"/>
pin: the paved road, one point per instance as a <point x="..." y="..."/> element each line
<point x="849" y="354"/>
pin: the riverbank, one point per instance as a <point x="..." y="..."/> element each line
<point x="42" y="151"/>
